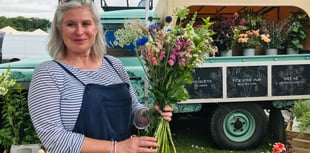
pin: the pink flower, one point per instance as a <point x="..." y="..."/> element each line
<point x="162" y="55"/>
<point x="278" y="147"/>
<point x="242" y="22"/>
<point x="171" y="62"/>
<point x="154" y="61"/>
<point x="172" y="56"/>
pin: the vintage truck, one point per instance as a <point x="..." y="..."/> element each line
<point x="233" y="93"/>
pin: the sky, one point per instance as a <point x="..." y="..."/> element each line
<point x="43" y="9"/>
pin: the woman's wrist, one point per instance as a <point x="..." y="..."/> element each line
<point x="113" y="146"/>
<point x="141" y="118"/>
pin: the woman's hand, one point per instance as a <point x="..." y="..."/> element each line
<point x="137" y="145"/>
<point x="142" y="117"/>
<point x="166" y="113"/>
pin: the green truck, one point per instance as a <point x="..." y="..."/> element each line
<point x="233" y="93"/>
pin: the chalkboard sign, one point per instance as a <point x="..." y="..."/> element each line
<point x="247" y="81"/>
<point x="207" y="83"/>
<point x="290" y="80"/>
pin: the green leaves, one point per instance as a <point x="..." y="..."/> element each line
<point x="301" y="110"/>
<point x="16" y="126"/>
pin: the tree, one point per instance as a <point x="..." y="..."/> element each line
<point x="25" y="24"/>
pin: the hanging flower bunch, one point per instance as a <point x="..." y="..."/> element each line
<point x="169" y="54"/>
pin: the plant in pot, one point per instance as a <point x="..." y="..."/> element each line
<point x="249" y="40"/>
<point x="296" y="32"/>
<point x="301" y="111"/>
<point x="298" y="128"/>
<point x="16" y="126"/>
<point x="224" y="37"/>
<point x="249" y="34"/>
<point x="276" y="32"/>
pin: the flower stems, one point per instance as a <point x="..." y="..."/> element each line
<point x="164" y="137"/>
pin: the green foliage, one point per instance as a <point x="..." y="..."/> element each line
<point x="16" y="126"/>
<point x="302" y="112"/>
<point x="25" y="24"/>
<point x="277" y="32"/>
<point x="296" y="31"/>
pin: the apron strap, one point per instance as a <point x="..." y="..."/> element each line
<point x="108" y="60"/>
<point x="69" y="72"/>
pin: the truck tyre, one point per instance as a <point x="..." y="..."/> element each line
<point x="276" y="124"/>
<point x="238" y="125"/>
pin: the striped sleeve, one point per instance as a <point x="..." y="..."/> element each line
<point x="44" y="108"/>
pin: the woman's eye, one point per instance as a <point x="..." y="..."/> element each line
<point x="70" y="24"/>
<point x="86" y="23"/>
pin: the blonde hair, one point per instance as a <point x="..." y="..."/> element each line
<point x="56" y="46"/>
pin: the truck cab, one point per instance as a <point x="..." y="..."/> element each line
<point x="234" y="92"/>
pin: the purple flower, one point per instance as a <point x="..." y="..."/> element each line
<point x="141" y="41"/>
<point x="152" y="29"/>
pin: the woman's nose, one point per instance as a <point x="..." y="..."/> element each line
<point x="79" y="30"/>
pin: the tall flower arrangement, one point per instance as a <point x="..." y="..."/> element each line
<point x="169" y="55"/>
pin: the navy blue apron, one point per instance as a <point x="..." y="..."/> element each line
<point x="105" y="111"/>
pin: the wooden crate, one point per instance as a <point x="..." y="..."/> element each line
<point x="297" y="142"/>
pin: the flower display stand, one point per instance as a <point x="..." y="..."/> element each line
<point x="297" y="142"/>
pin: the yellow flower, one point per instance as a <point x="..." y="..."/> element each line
<point x="265" y="38"/>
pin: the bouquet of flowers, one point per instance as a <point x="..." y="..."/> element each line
<point x="169" y="55"/>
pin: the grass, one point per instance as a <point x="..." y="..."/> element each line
<point x="191" y="136"/>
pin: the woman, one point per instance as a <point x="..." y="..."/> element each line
<point x="82" y="101"/>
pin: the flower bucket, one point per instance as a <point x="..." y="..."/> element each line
<point x="297" y="142"/>
<point x="271" y="51"/>
<point x="29" y="148"/>
<point x="226" y="52"/>
<point x="291" y="51"/>
<point x="249" y="52"/>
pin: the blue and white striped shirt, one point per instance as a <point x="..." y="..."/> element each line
<point x="55" y="98"/>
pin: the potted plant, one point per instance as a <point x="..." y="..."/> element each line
<point x="249" y="40"/>
<point x="224" y="37"/>
<point x="298" y="129"/>
<point x="276" y="32"/>
<point x="296" y="32"/>
<point x="301" y="111"/>
<point x="249" y="36"/>
<point x="16" y="126"/>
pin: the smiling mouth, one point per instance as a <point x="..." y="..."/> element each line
<point x="79" y="40"/>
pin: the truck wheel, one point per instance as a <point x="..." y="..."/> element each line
<point x="276" y="124"/>
<point x="238" y="125"/>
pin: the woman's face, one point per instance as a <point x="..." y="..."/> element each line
<point x="78" y="31"/>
